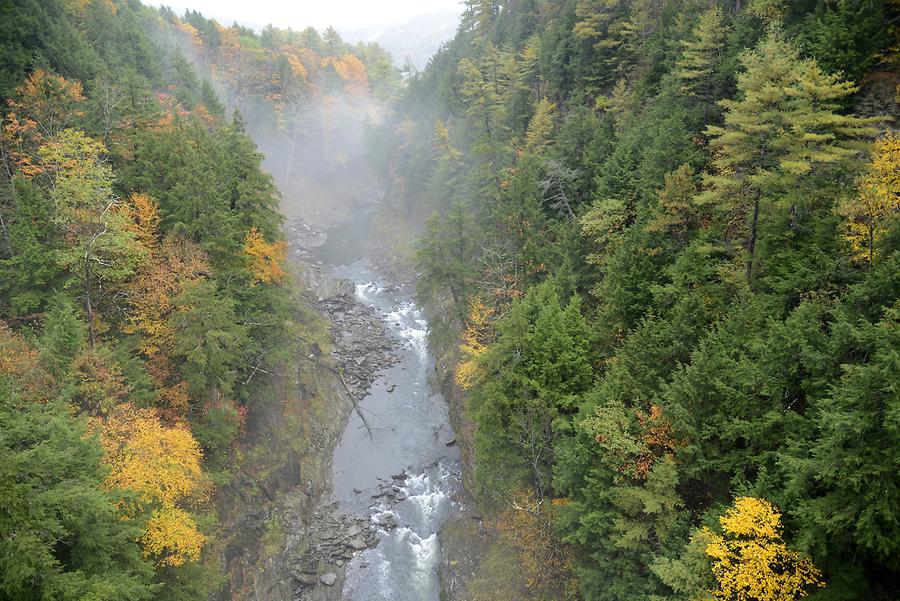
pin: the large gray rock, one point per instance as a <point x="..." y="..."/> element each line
<point x="304" y="577"/>
<point x="328" y="579"/>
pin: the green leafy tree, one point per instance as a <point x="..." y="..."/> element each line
<point x="100" y="249"/>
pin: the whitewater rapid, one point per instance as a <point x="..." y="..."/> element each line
<point x="410" y="430"/>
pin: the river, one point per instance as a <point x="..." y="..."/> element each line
<point x="406" y="433"/>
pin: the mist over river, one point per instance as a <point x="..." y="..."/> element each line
<point x="397" y="468"/>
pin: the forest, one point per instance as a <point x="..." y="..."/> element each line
<point x="143" y="294"/>
<point x="667" y="233"/>
<point x="659" y="241"/>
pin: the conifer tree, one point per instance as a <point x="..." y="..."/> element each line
<point x="702" y="54"/>
<point x="63" y="335"/>
<point x="784" y="124"/>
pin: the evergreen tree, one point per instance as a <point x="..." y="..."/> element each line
<point x="63" y="335"/>
<point x="702" y="55"/>
<point x="784" y="124"/>
<point x="29" y="248"/>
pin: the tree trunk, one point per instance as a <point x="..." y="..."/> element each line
<point x="8" y="244"/>
<point x="871" y="245"/>
<point x="751" y="247"/>
<point x="456" y="302"/>
<point x="88" y="308"/>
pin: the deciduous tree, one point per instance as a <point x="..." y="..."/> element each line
<point x="752" y="562"/>
<point x="100" y="249"/>
<point x="868" y="214"/>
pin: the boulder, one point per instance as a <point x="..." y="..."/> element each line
<point x="357" y="543"/>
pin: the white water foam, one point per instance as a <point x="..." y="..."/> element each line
<point x="411" y="325"/>
<point x="424" y="549"/>
<point x="368" y="291"/>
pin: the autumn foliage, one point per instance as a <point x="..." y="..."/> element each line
<point x="43" y="106"/>
<point x="266" y="258"/>
<point x="868" y="214"/>
<point x="752" y="562"/>
<point x="475" y="340"/>
<point x="173" y="264"/>
<point x="161" y="464"/>
<point x="526" y="523"/>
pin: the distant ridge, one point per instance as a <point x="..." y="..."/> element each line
<point x="418" y="38"/>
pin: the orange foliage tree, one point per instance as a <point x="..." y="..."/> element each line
<point x="353" y="73"/>
<point x="526" y="523"/>
<point x="42" y="107"/>
<point x="22" y="364"/>
<point x="162" y="465"/>
<point x="173" y="264"/>
<point x="632" y="444"/>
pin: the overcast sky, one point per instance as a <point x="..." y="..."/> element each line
<point x="298" y="14"/>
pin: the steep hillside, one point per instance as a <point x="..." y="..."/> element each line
<point x="667" y="236"/>
<point x="149" y="333"/>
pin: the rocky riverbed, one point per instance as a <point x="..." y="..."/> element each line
<point x="320" y="546"/>
<point x="375" y="469"/>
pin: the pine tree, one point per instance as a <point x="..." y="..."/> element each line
<point x="29" y="248"/>
<point x="446" y="255"/>
<point x="208" y="339"/>
<point x="63" y="538"/>
<point x="702" y="55"/>
<point x="63" y="335"/>
<point x="784" y="124"/>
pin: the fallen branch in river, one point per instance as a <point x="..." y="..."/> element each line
<point x="355" y="405"/>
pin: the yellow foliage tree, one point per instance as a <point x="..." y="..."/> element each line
<point x="751" y="562"/>
<point x="143" y="213"/>
<point x="475" y="340"/>
<point x="162" y="464"/>
<point x="878" y="202"/>
<point x="541" y="126"/>
<point x="174" y="263"/>
<point x="265" y="257"/>
<point x="172" y="536"/>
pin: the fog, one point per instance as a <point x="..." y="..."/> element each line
<point x="298" y="15"/>
<point x="316" y="154"/>
<point x="311" y="140"/>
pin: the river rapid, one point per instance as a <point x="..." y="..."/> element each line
<point x="396" y="464"/>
